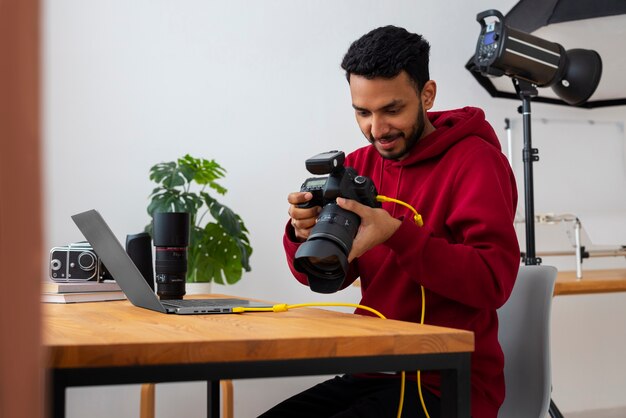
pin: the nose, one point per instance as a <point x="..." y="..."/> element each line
<point x="379" y="127"/>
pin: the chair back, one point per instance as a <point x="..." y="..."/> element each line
<point x="524" y="334"/>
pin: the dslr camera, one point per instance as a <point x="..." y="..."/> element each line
<point x="76" y="262"/>
<point x="323" y="257"/>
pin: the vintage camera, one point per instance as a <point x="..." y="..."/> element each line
<point x="324" y="255"/>
<point x="77" y="262"/>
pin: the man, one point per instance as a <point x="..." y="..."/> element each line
<point x="448" y="165"/>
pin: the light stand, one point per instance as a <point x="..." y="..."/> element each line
<point x="526" y="91"/>
<point x="532" y="62"/>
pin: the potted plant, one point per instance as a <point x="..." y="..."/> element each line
<point x="219" y="248"/>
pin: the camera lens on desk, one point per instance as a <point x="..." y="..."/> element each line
<point x="171" y="239"/>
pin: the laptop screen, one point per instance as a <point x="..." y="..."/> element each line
<point x="117" y="262"/>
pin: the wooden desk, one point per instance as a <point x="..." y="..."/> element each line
<point x="106" y="343"/>
<point x="593" y="281"/>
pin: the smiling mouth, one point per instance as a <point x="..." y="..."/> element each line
<point x="388" y="141"/>
<point x="389" y="138"/>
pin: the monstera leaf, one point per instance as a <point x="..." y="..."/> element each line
<point x="219" y="250"/>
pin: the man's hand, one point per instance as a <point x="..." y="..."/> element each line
<point x="377" y="226"/>
<point x="302" y="220"/>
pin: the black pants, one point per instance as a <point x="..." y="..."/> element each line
<point x="353" y="397"/>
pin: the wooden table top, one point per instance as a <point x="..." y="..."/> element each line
<point x="103" y="334"/>
<point x="593" y="281"/>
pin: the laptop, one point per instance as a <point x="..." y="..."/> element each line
<point x="133" y="284"/>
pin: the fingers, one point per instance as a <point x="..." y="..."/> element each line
<point x="297" y="213"/>
<point x="304" y="223"/>
<point x="297" y="198"/>
<point x="377" y="225"/>
<point x="302" y="219"/>
<point x="352" y="206"/>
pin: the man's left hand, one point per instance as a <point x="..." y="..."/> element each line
<point x="377" y="226"/>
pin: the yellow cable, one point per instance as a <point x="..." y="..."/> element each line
<point x="416" y="216"/>
<point x="402" y="387"/>
<point x="348" y="305"/>
<point x="419" y="377"/>
<point x="420" y="222"/>
<point x="283" y="307"/>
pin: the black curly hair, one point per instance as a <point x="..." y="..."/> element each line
<point x="385" y="52"/>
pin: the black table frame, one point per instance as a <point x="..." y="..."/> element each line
<point x="454" y="368"/>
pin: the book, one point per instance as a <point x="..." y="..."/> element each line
<point x="77" y="297"/>
<point x="76" y="287"/>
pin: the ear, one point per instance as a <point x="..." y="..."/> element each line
<point x="428" y="94"/>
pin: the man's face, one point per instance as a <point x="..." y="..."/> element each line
<point x="390" y="113"/>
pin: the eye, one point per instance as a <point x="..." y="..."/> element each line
<point x="362" y="113"/>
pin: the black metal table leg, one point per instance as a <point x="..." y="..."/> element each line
<point x="213" y="399"/>
<point x="455" y="390"/>
<point x="57" y="400"/>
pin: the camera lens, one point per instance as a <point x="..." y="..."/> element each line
<point x="324" y="263"/>
<point x="171" y="238"/>
<point x="324" y="255"/>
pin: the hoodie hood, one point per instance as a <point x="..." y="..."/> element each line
<point x="451" y="127"/>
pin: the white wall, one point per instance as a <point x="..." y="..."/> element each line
<point x="258" y="87"/>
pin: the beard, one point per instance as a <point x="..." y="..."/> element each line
<point x="409" y="143"/>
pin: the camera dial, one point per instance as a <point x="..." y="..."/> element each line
<point x="55" y="264"/>
<point x="87" y="260"/>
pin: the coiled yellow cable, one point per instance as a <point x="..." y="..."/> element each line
<point x="416" y="216"/>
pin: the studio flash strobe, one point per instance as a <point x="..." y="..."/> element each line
<point x="573" y="75"/>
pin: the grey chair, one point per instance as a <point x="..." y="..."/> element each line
<point x="524" y="334"/>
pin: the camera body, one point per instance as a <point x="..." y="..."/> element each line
<point x="76" y="262"/>
<point x="324" y="255"/>
<point x="340" y="182"/>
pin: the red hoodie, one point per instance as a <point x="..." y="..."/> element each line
<point x="466" y="255"/>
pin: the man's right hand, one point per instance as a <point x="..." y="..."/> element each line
<point x="302" y="220"/>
